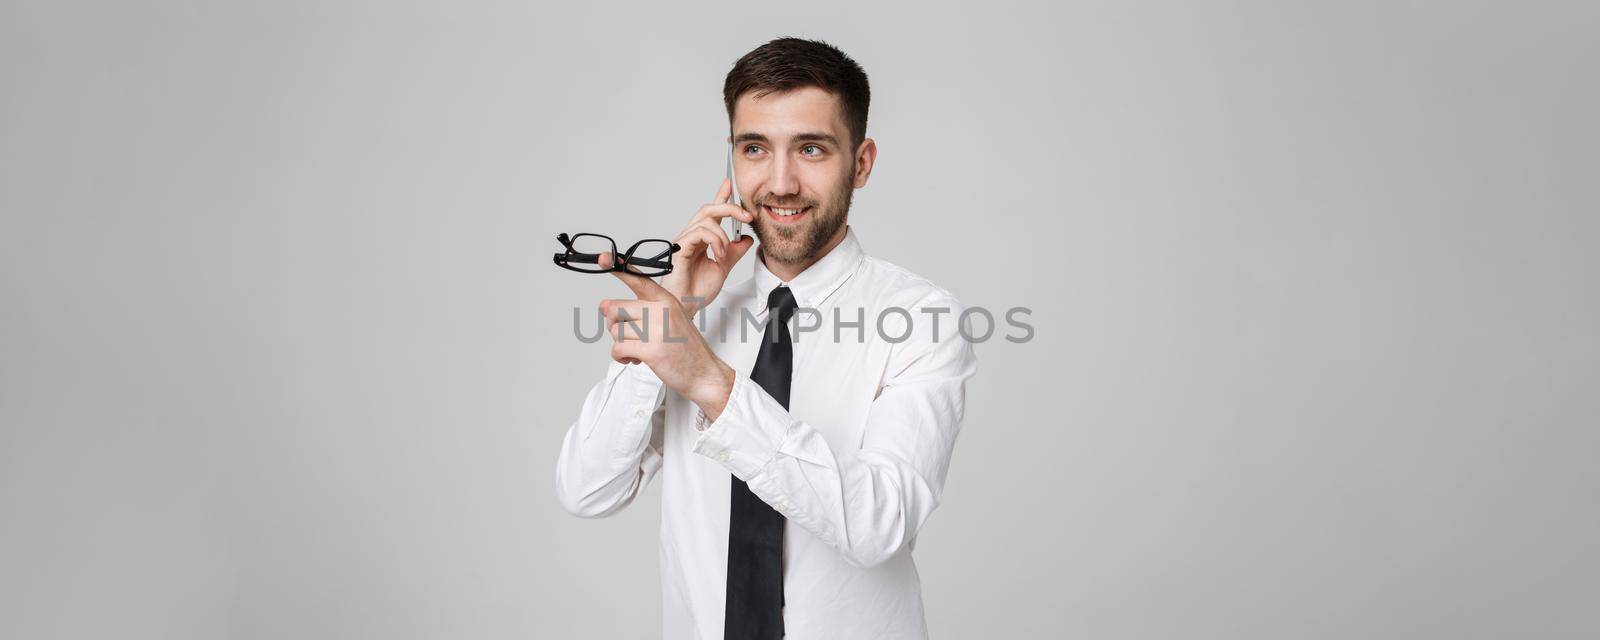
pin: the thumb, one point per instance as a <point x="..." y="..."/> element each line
<point x="737" y="249"/>
<point x="643" y="287"/>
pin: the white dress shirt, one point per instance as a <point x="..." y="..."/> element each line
<point x="856" y="464"/>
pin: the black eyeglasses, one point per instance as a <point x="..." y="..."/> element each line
<point x="649" y="258"/>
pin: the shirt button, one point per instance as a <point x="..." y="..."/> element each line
<point x="723" y="456"/>
<point x="640" y="413"/>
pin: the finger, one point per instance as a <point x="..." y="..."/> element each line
<point x="624" y="354"/>
<point x="626" y="330"/>
<point x="643" y="287"/>
<point x="724" y="192"/>
<point x="620" y="309"/>
<point x="700" y="237"/>
<point x="718" y="239"/>
<point x="690" y="239"/>
<point x="633" y="330"/>
<point x="720" y="210"/>
<point x="736" y="251"/>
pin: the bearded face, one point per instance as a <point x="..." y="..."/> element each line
<point x="797" y="169"/>
<point x="795" y="228"/>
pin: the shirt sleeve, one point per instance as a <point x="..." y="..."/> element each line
<point x="870" y="502"/>
<point x="614" y="449"/>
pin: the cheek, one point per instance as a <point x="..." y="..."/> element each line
<point x="825" y="179"/>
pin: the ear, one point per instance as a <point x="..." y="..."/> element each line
<point x="866" y="154"/>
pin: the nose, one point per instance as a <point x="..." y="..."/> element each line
<point x="784" y="181"/>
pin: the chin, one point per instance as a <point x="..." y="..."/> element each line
<point x="782" y="249"/>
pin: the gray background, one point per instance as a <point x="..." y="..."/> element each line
<point x="283" y="355"/>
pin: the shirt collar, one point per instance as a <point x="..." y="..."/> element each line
<point x="813" y="286"/>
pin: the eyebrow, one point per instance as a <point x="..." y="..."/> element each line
<point x="811" y="136"/>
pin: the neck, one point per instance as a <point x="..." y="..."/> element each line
<point x="787" y="271"/>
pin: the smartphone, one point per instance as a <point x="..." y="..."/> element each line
<point x="734" y="226"/>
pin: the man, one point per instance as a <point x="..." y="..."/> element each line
<point x="798" y="463"/>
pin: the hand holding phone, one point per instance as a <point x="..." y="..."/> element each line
<point x="706" y="256"/>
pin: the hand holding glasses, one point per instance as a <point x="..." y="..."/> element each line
<point x="649" y="258"/>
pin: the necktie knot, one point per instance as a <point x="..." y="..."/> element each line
<point x="781" y="303"/>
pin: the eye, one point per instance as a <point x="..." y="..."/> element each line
<point x="811" y="150"/>
<point x="751" y="149"/>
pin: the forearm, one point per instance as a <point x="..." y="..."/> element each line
<point x="867" y="503"/>
<point x="607" y="455"/>
<point x="711" y="396"/>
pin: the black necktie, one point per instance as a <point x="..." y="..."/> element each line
<point x="755" y="529"/>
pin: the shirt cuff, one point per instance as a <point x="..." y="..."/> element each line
<point x="748" y="434"/>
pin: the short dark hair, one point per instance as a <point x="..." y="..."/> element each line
<point x="791" y="63"/>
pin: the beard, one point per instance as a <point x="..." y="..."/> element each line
<point x="798" y="243"/>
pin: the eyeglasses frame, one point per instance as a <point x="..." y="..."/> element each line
<point x="621" y="261"/>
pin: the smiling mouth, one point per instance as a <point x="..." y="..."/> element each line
<point x="784" y="215"/>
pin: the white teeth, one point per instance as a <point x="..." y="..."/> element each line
<point x="785" y="212"/>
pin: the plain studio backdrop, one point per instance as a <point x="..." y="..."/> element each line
<point x="284" y="356"/>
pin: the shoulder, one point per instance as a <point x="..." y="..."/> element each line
<point x="896" y="286"/>
<point x="921" y="321"/>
